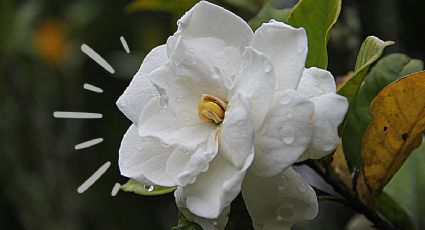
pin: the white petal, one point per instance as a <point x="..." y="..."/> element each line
<point x="256" y="81"/>
<point x="285" y="135"/>
<point x="286" y="47"/>
<point x="206" y="224"/>
<point x="184" y="165"/>
<point x="329" y="112"/>
<point x="215" y="189"/>
<point x="140" y="91"/>
<point x="198" y="66"/>
<point x="236" y="138"/>
<point x="143" y="159"/>
<point x="315" y="82"/>
<point x="158" y="122"/>
<point x="208" y="20"/>
<point x="276" y="203"/>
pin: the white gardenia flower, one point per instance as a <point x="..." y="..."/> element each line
<point x="220" y="110"/>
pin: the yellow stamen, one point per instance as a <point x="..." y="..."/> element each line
<point x="211" y="108"/>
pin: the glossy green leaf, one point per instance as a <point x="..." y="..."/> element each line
<point x="387" y="70"/>
<point x="266" y="13"/>
<point x="370" y="51"/>
<point x="395" y="213"/>
<point x="169" y="6"/>
<point x="145" y="190"/>
<point x="317" y="17"/>
<point x="407" y="187"/>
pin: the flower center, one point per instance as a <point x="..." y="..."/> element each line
<point x="211" y="108"/>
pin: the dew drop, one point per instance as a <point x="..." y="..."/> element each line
<point x="282" y="183"/>
<point x="149" y="188"/>
<point x="288" y="135"/>
<point x="285" y="213"/>
<point x="215" y="72"/>
<point x="192" y="50"/>
<point x="215" y="223"/>
<point x="267" y="68"/>
<point x="272" y="20"/>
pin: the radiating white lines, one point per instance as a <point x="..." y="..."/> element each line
<point x="76" y="115"/>
<point x="97" y="58"/>
<point x="89" y="143"/>
<point x="89" y="182"/>
<point x="124" y="44"/>
<point x="92" y="88"/>
<point x="115" y="189"/>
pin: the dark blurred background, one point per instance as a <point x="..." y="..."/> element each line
<point x="42" y="70"/>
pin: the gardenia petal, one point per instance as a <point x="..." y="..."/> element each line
<point x="286" y="47"/>
<point x="237" y="132"/>
<point x="276" y="203"/>
<point x="140" y="91"/>
<point x="315" y="82"/>
<point x="330" y="109"/>
<point x="256" y="81"/>
<point x="208" y="20"/>
<point x="329" y="112"/>
<point x="206" y="224"/>
<point x="215" y="189"/>
<point x="285" y="134"/>
<point x="158" y="122"/>
<point x="184" y="165"/>
<point x="143" y="159"/>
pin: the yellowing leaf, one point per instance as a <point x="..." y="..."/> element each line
<point x="398" y="120"/>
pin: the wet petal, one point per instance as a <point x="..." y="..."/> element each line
<point x="329" y="112"/>
<point x="278" y="202"/>
<point x="287" y="48"/>
<point x="143" y="159"/>
<point x="215" y="189"/>
<point x="256" y="81"/>
<point x="285" y="135"/>
<point x="315" y="82"/>
<point x="140" y="91"/>
<point x="158" y="122"/>
<point x="208" y="20"/>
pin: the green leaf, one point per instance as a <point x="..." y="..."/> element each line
<point x="370" y="51"/>
<point x="317" y="17"/>
<point x="145" y="190"/>
<point x="185" y="223"/>
<point x="394" y="212"/>
<point x="170" y="6"/>
<point x="266" y="13"/>
<point x="387" y="70"/>
<point x="407" y="187"/>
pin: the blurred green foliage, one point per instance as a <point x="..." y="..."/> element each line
<point x="42" y="70"/>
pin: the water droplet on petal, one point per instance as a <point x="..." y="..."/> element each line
<point x="288" y="135"/>
<point x="192" y="50"/>
<point x="285" y="213"/>
<point x="272" y="20"/>
<point x="267" y="68"/>
<point x="282" y="183"/>
<point x="216" y="73"/>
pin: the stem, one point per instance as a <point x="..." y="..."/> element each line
<point x="351" y="198"/>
